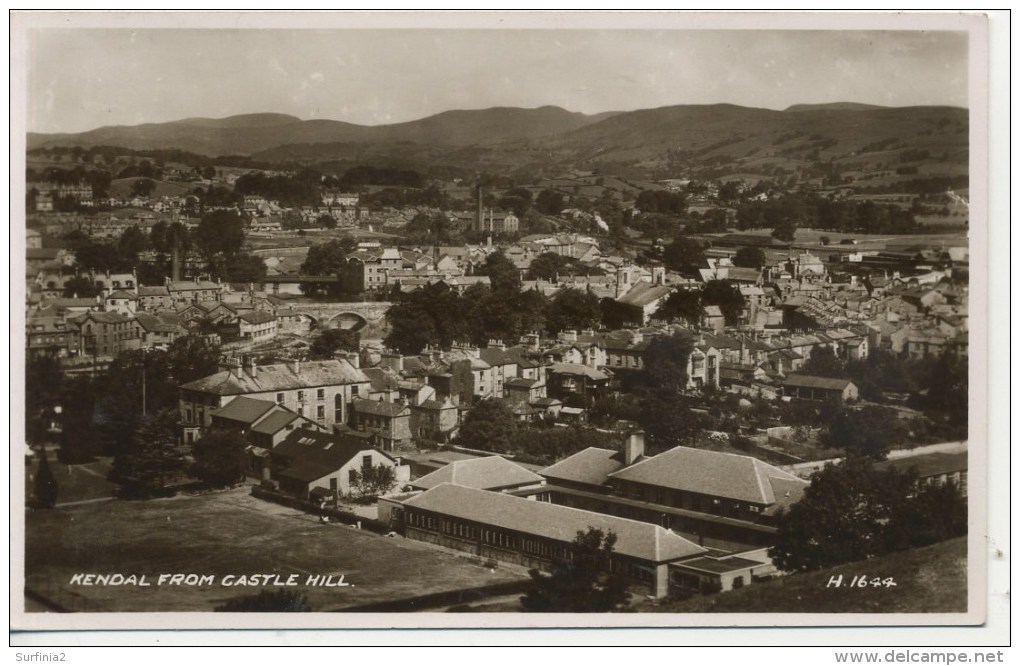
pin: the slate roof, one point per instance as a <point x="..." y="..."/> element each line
<point x="157" y="324"/>
<point x="644" y="293"/>
<point x="810" y="381"/>
<point x="191" y="285"/>
<point x="636" y="539"/>
<point x="382" y="380"/>
<point x="310" y="447"/>
<point x="279" y="377"/>
<point x="488" y="473"/>
<point x="120" y="293"/>
<point x="521" y="382"/>
<point x="257" y="317"/>
<point x="244" y="410"/>
<point x="577" y="369"/>
<point x="591" y="466"/>
<point x="379" y="408"/>
<point x="711" y="473"/>
<point x="275" y="422"/>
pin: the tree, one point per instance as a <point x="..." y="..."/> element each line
<point x="581" y="582"/>
<point x="220" y="234"/>
<point x="546" y="266"/>
<point x="325" y="345"/>
<point x="244" y="268"/>
<point x="372" y="481"/>
<point x="143" y="187"/>
<point x="573" y="309"/>
<point x="267" y="601"/>
<point x="936" y="512"/>
<point x="749" y="257"/>
<point x="785" y="230"/>
<point x="220" y="458"/>
<point x="727" y="297"/>
<point x="155" y="458"/>
<point x="844" y="516"/>
<point x="502" y="273"/>
<point x="681" y="305"/>
<point x="945" y="391"/>
<point x="823" y="363"/>
<point x="326" y="221"/>
<point x="411" y="325"/>
<point x="42" y="394"/>
<point x="46" y="489"/>
<point x="327" y="258"/>
<point x="489" y="426"/>
<point x="824" y="240"/>
<point x="132" y="242"/>
<point x="869" y="431"/>
<point x="81" y="287"/>
<point x="550" y="202"/>
<point x="684" y="254"/>
<point x="192" y="357"/>
<point x="666" y="361"/>
<point x="98" y="257"/>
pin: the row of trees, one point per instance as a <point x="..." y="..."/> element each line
<point x="853" y="511"/>
<point x="218" y="239"/>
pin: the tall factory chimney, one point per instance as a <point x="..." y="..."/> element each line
<point x="480" y="221"/>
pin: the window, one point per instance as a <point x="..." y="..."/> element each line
<point x="366" y="461"/>
<point x="320" y="412"/>
<point x="352" y="476"/>
<point x="321" y="394"/>
<point x="354" y="390"/>
<point x="301" y="396"/>
<point x="279" y="398"/>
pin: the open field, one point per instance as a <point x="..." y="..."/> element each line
<point x="229" y="533"/>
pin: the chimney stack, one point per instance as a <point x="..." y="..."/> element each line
<point x="634" y="448"/>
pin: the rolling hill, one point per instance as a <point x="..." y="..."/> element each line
<point x="252" y="133"/>
<point x="855" y="138"/>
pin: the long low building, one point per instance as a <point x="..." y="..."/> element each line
<point x="534" y="534"/>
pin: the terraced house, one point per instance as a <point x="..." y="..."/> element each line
<point x="320" y="391"/>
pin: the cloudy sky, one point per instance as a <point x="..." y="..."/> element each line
<point x="85" y="78"/>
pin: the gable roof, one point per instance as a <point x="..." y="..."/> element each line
<point x="553" y="521"/>
<point x="591" y="466"/>
<point x="488" y="473"/>
<point x="710" y="473"/>
<point x="322" y="448"/>
<point x="644" y="293"/>
<point x="275" y="422"/>
<point x="257" y="317"/>
<point x="281" y="376"/>
<point x="810" y="381"/>
<point x="244" y="410"/>
<point x="577" y="369"/>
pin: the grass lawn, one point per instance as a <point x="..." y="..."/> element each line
<point x="228" y="533"/>
<point x="928" y="580"/>
<point x="75" y="483"/>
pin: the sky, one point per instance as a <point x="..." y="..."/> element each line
<point x="86" y="78"/>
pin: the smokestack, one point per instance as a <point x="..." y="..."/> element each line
<point x="176" y="267"/>
<point x="634" y="448"/>
<point x="481" y="216"/>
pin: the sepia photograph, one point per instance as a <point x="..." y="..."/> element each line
<point x="518" y="320"/>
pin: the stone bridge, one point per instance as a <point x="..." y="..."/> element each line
<point x="368" y="318"/>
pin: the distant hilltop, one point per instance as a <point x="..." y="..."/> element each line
<point x="510" y="138"/>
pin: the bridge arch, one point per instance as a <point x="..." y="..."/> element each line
<point x="350" y="321"/>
